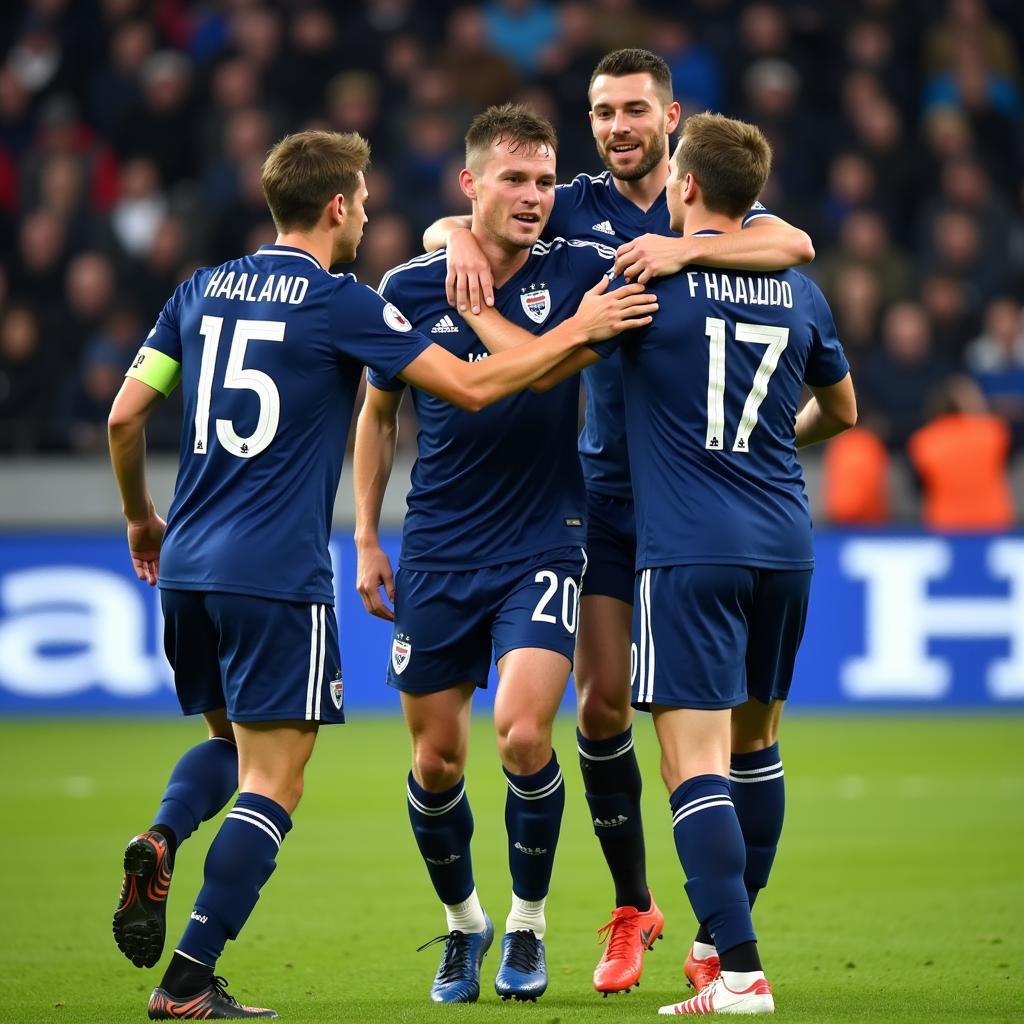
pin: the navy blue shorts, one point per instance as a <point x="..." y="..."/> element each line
<point x="611" y="547"/>
<point x="446" y="623"/>
<point x="262" y="660"/>
<point x="711" y="636"/>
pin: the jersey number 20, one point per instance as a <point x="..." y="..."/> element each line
<point x="237" y="376"/>
<point x="776" y="339"/>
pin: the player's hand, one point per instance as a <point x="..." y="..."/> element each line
<point x="650" y="256"/>
<point x="604" y="314"/>
<point x="144" y="539"/>
<point x="373" y="571"/>
<point x="469" y="281"/>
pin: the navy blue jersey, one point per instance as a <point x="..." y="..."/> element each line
<point x="271" y="349"/>
<point x="503" y="483"/>
<point x="591" y="207"/>
<point x="711" y="390"/>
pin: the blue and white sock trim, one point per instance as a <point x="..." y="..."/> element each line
<point x="766" y="774"/>
<point x="260" y="821"/>
<point x="702" y="803"/>
<point x="423" y="808"/>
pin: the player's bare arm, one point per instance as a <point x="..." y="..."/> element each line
<point x="604" y="313"/>
<point x="126" y="431"/>
<point x="769" y="243"/>
<point x="472" y="386"/>
<point x="376" y="436"/>
<point x="830" y="411"/>
<point x="469" y="284"/>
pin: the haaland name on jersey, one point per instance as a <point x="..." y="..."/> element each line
<point x="247" y="287"/>
<point x="753" y="291"/>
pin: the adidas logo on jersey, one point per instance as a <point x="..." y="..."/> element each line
<point x="604" y="227"/>
<point x="445" y="326"/>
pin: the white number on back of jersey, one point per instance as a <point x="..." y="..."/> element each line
<point x="236" y="376"/>
<point x="776" y="338"/>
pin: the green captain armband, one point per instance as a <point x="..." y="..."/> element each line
<point x="156" y="369"/>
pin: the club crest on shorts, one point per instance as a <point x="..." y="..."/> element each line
<point x="536" y="302"/>
<point x="401" y="652"/>
<point x="337" y="690"/>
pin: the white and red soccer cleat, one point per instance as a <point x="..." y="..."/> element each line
<point x="719" y="998"/>
<point x="701" y="972"/>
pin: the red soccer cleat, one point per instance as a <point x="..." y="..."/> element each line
<point x="700" y="973"/>
<point x="628" y="934"/>
<point x="719" y="998"/>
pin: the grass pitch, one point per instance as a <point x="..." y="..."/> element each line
<point x="898" y="894"/>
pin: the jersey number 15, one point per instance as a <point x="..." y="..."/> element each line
<point x="776" y="339"/>
<point x="236" y="376"/>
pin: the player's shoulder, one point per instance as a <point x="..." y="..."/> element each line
<point x="428" y="268"/>
<point x="569" y="250"/>
<point x="584" y="183"/>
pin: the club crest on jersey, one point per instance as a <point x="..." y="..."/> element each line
<point x="401" y="652"/>
<point x="536" y="302"/>
<point x="337" y="690"/>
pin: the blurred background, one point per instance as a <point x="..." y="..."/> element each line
<point x="131" y="137"/>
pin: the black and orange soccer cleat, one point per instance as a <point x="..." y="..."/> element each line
<point x="140" y="918"/>
<point x="212" y="1003"/>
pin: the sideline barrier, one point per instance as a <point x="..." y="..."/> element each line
<point x="898" y="619"/>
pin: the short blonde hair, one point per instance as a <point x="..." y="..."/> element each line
<point x="730" y="160"/>
<point x="305" y="170"/>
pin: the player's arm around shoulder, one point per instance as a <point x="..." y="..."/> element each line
<point x="765" y="243"/>
<point x="376" y="438"/>
<point x="603" y="314"/>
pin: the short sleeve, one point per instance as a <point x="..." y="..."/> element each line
<point x="756" y="211"/>
<point x="826" y="364"/>
<point x="371" y="330"/>
<point x="158" y="362"/>
<point x="589" y="260"/>
<point x="566" y="198"/>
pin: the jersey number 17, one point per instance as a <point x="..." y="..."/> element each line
<point x="776" y="339"/>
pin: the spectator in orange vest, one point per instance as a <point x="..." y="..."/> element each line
<point x="855" y="479"/>
<point x="960" y="458"/>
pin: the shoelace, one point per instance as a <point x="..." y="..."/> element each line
<point x="523" y="951"/>
<point x="220" y="987"/>
<point x="456" y="954"/>
<point x="620" y="933"/>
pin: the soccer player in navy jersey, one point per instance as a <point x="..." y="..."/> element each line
<point x="492" y="552"/>
<point x="724" y="545"/>
<point x="269" y="350"/>
<point x="632" y="115"/>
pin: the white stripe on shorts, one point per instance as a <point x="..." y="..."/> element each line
<point x="320" y="668"/>
<point x="311" y="679"/>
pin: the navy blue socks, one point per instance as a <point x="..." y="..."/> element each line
<point x="533" y="819"/>
<point x="200" y="785"/>
<point x="611" y="778"/>
<point x="759" y="796"/>
<point x="710" y="846"/>
<point x="443" y="826"/>
<point x="240" y="860"/>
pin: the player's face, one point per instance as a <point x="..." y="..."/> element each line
<point x="350" y="232"/>
<point x="514" y="192"/>
<point x="630" y="123"/>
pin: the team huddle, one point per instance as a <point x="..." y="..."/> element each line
<point x="664" y="559"/>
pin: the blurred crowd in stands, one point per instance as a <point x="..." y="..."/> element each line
<point x="132" y="133"/>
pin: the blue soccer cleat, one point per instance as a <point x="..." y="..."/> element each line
<point x="458" y="975"/>
<point x="523" y="972"/>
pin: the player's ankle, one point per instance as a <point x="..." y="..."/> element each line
<point x="185" y="976"/>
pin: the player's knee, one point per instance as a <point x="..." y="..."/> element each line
<point x="436" y="770"/>
<point x="602" y="716"/>
<point x="525" y="746"/>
